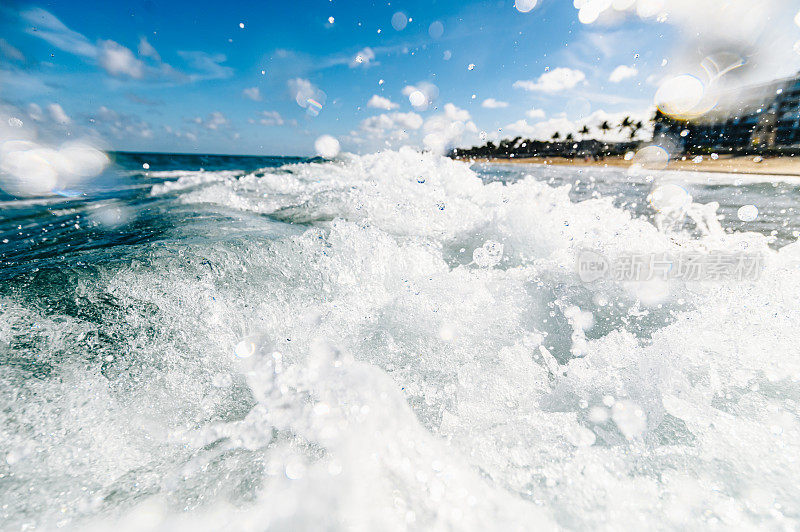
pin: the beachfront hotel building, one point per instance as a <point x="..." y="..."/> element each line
<point x="757" y="118"/>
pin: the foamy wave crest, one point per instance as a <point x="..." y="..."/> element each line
<point x="415" y="351"/>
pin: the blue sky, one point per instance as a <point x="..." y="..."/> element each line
<point x="186" y="77"/>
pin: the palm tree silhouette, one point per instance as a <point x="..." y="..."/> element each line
<point x="556" y="136"/>
<point x="584" y="131"/>
<point x="605" y="127"/>
<point x="626" y="123"/>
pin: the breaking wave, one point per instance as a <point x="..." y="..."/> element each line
<point x="391" y="342"/>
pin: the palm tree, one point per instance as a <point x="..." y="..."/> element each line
<point x="584" y="131"/>
<point x="556" y="136"/>
<point x="605" y="127"/>
<point x="570" y="137"/>
<point x="626" y="123"/>
<point x="635" y="127"/>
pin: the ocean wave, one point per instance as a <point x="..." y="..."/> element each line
<point x="420" y="354"/>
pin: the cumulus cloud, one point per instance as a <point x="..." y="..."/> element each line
<point x="439" y="132"/>
<point x="394" y="126"/>
<point x="379" y="102"/>
<point x="268" y="118"/>
<point x="447" y="129"/>
<point x="363" y="58"/>
<point x="252" y="93"/>
<point x="556" y="80"/>
<point x="535" y="113"/>
<point x="57" y="114"/>
<point x="213" y="121"/>
<point x="544" y="130"/>
<point x="623" y="72"/>
<point x="119" y="61"/>
<point x="491" y="103"/>
<point x="121" y="125"/>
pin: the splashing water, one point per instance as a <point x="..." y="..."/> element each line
<point x="321" y="343"/>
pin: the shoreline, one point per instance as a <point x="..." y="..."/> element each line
<point x="773" y="166"/>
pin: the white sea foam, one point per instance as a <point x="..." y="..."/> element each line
<point x="395" y="383"/>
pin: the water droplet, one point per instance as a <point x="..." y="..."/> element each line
<point x="436" y="29"/>
<point x="399" y="21"/>
<point x="747" y="213"/>
<point x="524" y="6"/>
<point x="295" y="470"/>
<point x="327" y="146"/>
<point x="245" y="349"/>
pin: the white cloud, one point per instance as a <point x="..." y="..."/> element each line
<point x="209" y="66"/>
<point x="379" y="102"/>
<point x="269" y="118"/>
<point x="762" y="31"/>
<point x="556" y="80"/>
<point x="437" y="133"/>
<point x="119" y="61"/>
<point x="146" y="49"/>
<point x="447" y="129"/>
<point x="35" y="112"/>
<point x="214" y="121"/>
<point x="57" y="114"/>
<point x="543" y="130"/>
<point x="363" y="58"/>
<point x="491" y="103"/>
<point x="253" y="93"/>
<point x="535" y="113"/>
<point x="391" y="125"/>
<point x="10" y="51"/>
<point x="623" y="72"/>
<point x="52" y="30"/>
<point x="121" y="125"/>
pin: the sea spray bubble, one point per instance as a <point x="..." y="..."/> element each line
<point x="670" y="201"/>
<point x="654" y="157"/>
<point x="30" y="169"/>
<point x="630" y="418"/>
<point x="327" y="146"/>
<point x="488" y="255"/>
<point x="399" y="21"/>
<point x="245" y="349"/>
<point x="524" y="6"/>
<point x="747" y="213"/>
<point x="111" y="215"/>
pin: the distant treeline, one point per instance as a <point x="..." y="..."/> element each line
<point x="569" y="146"/>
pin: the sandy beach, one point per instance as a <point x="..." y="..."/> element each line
<point x="781" y="166"/>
